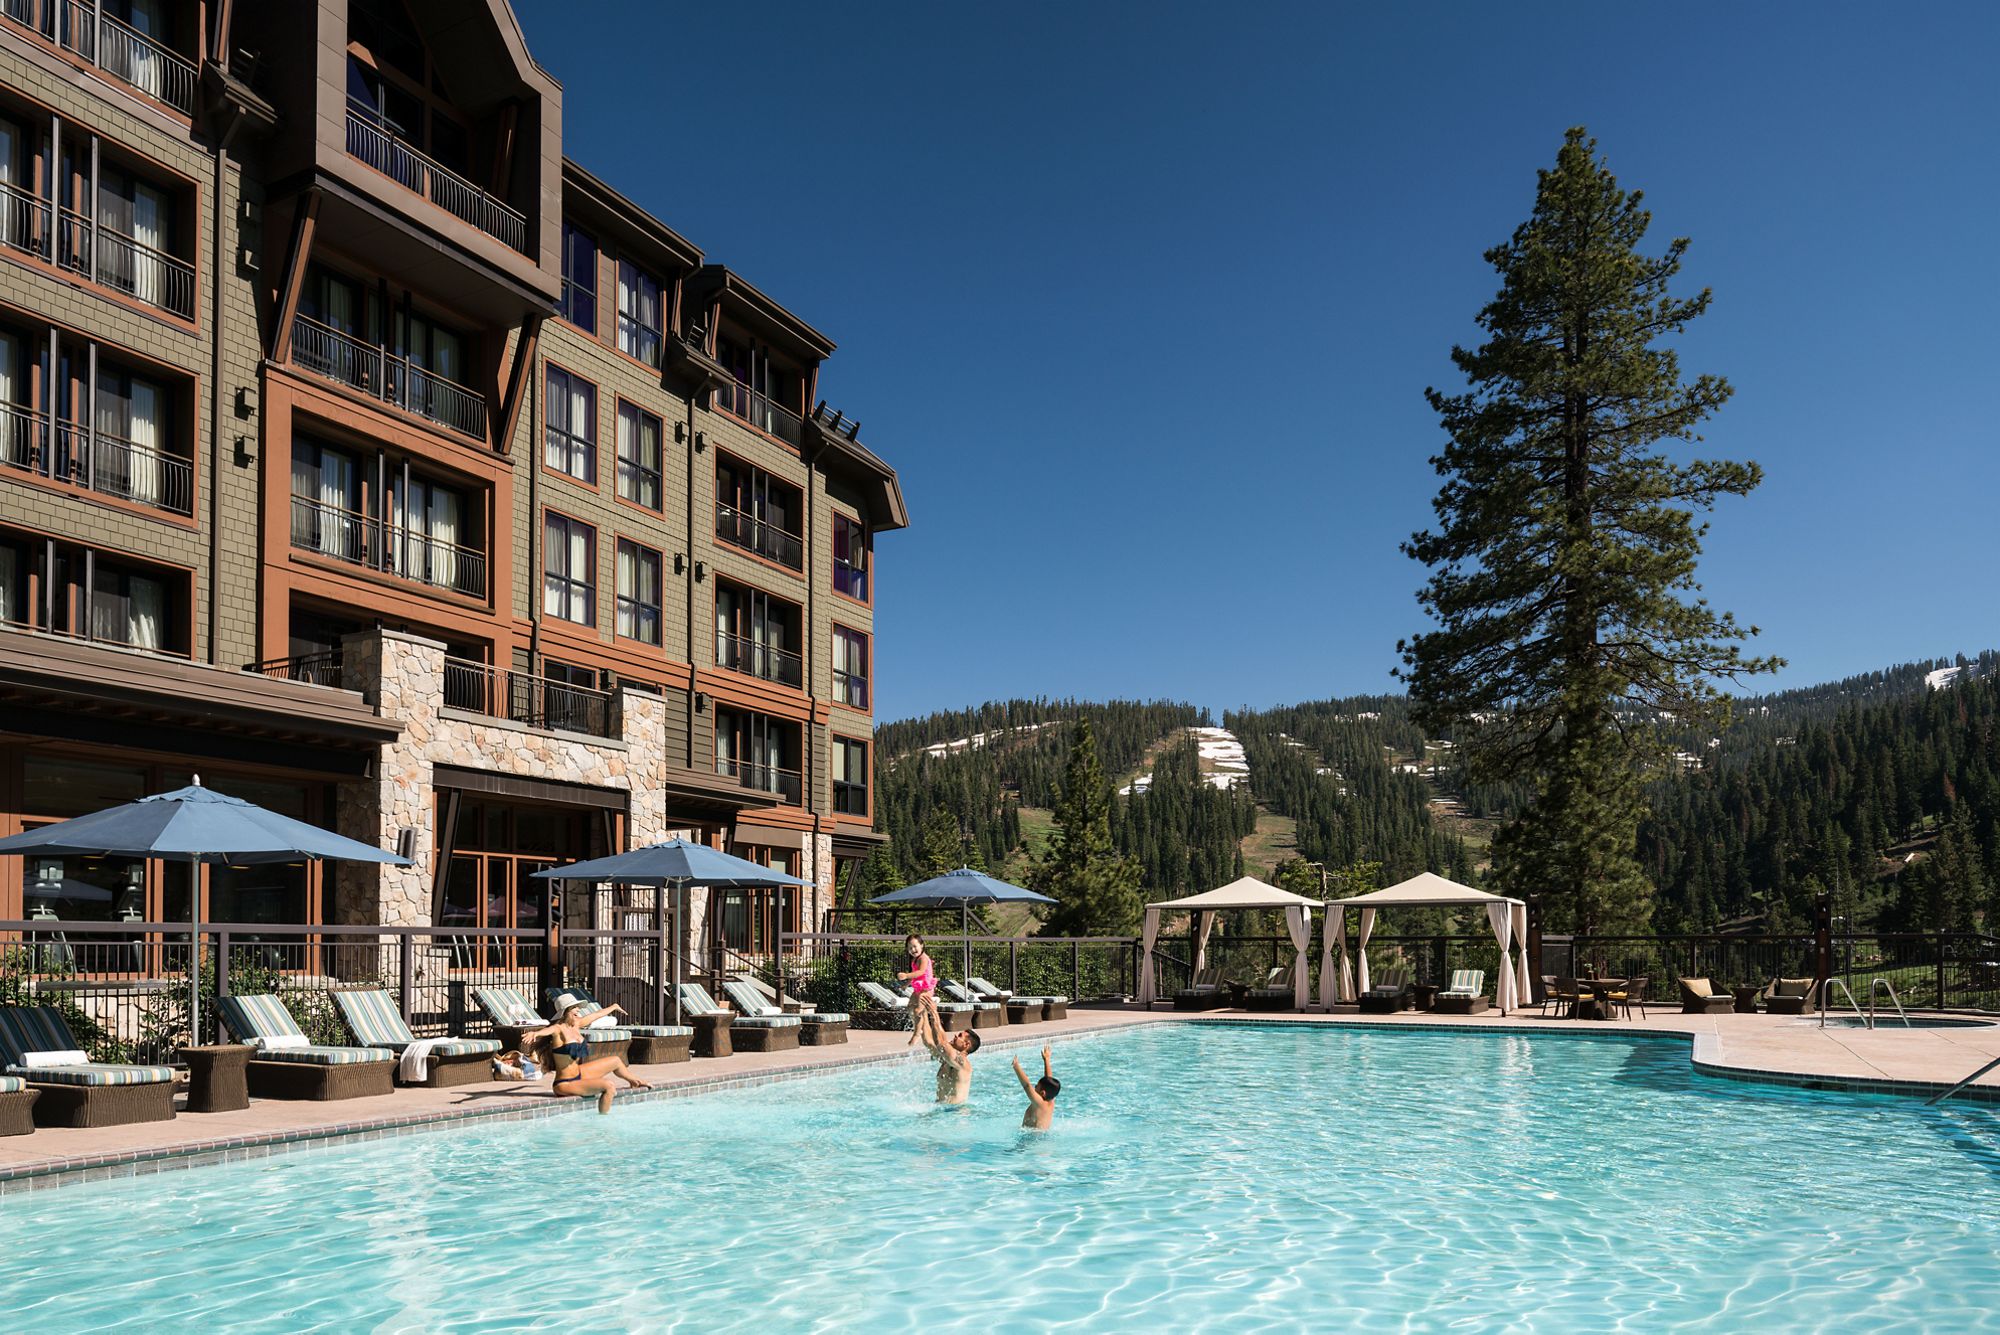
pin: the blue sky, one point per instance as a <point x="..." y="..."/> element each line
<point x="1141" y="299"/>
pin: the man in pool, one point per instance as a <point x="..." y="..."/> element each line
<point x="954" y="1056"/>
<point x="1041" y="1094"/>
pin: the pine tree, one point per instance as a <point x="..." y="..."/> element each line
<point x="1096" y="891"/>
<point x="943" y="847"/>
<point x="1562" y="568"/>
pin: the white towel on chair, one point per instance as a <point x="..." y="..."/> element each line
<point x="413" y="1066"/>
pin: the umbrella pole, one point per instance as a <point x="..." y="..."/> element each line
<point x="965" y="939"/>
<point x="680" y="939"/>
<point x="194" y="952"/>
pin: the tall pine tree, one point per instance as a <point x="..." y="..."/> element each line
<point x="1562" y="566"/>
<point x="1096" y="891"/>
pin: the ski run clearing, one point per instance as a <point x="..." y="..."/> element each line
<point x="1221" y="756"/>
<point x="980" y="739"/>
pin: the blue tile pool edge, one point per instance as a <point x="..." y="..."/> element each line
<point x="1704" y="1056"/>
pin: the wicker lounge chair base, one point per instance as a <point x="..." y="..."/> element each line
<point x="1722" y="1005"/>
<point x="817" y="1034"/>
<point x="764" y="1038"/>
<point x="323" y="1084"/>
<point x="989" y="1019"/>
<point x="1208" y="1000"/>
<point x="1261" y="999"/>
<point x="465" y="1068"/>
<point x="17" y="1112"/>
<point x="880" y="1019"/>
<point x="1020" y="1012"/>
<point x="660" y="1050"/>
<point x="1055" y="1010"/>
<point x="102" y="1105"/>
<point x="1785" y="1005"/>
<point x="711" y="1035"/>
<point x="1384" y="1005"/>
<point x="1461" y="1006"/>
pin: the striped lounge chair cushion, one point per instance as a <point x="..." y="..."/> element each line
<point x="374" y="1019"/>
<point x="605" y="1033"/>
<point x="465" y="1047"/>
<point x="764" y="1022"/>
<point x="26" y="1029"/>
<point x="824" y="1017"/>
<point x="506" y="1005"/>
<point x="1465" y="983"/>
<point x="883" y="997"/>
<point x="99" y="1075"/>
<point x="262" y="1016"/>
<point x="12" y="1084"/>
<point x="325" y="1056"/>
<point x="656" y="1030"/>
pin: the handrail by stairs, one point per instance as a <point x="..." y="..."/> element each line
<point x="1879" y="981"/>
<point x="1841" y="983"/>
<point x="1928" y="1103"/>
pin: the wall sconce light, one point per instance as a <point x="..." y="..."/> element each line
<point x="244" y="454"/>
<point x="700" y="441"/>
<point x="700" y="703"/>
<point x="246" y="400"/>
<point x="406" y="842"/>
<point x="700" y="571"/>
<point x="680" y="563"/>
<point x="680" y="432"/>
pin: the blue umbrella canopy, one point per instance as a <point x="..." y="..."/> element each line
<point x="195" y="824"/>
<point x="962" y="889"/>
<point x="675" y="861"/>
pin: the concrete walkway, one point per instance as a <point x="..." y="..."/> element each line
<point x="1754" y="1047"/>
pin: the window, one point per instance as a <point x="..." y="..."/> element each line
<point x="127" y="607"/>
<point x="569" y="570"/>
<point x="850" y="667"/>
<point x="134" y="453"/>
<point x="572" y="426"/>
<point x="14" y="561"/>
<point x="764" y="395"/>
<point x="759" y="752"/>
<point x="638" y="313"/>
<point x="579" y="285"/>
<point x="429" y="531"/>
<point x="850" y="557"/>
<point x="326" y="502"/>
<point x="135" y="235"/>
<point x="850" y="777"/>
<point x="755" y="632"/>
<point x="638" y="456"/>
<point x="570" y="701"/>
<point x="758" y="512"/>
<point x="638" y="592"/>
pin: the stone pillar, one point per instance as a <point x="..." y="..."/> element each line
<point x="642" y="726"/>
<point x="403" y="677"/>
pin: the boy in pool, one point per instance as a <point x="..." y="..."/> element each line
<point x="922" y="979"/>
<point x="1041" y="1094"/>
<point x="954" y="1057"/>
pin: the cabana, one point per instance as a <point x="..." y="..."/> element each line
<point x="1508" y="917"/>
<point x="1248" y="893"/>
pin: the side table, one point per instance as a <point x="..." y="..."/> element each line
<point x="218" y="1077"/>
<point x="711" y="1034"/>
<point x="1423" y="996"/>
<point x="1746" y="998"/>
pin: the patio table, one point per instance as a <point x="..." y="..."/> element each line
<point x="218" y="1077"/>
<point x="1597" y="1005"/>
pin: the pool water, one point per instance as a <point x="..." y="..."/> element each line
<point x="1199" y="1178"/>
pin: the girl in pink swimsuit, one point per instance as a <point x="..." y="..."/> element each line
<point x="922" y="979"/>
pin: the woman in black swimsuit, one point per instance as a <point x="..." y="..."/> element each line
<point x="578" y="1074"/>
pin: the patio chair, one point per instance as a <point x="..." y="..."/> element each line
<point x="1628" y="996"/>
<point x="1463" y="996"/>
<point x="69" y="1089"/>
<point x="376" y="1023"/>
<point x="1274" y="993"/>
<point x="817" y="1029"/>
<point x="752" y="1033"/>
<point x="1389" y="995"/>
<point x="1699" y="997"/>
<point x="513" y="1016"/>
<point x="1043" y="1007"/>
<point x="1205" y="993"/>
<point x="1563" y="993"/>
<point x="1789" y="996"/>
<point x="652" y="1044"/>
<point x="287" y="1066"/>
<point x="985" y="1014"/>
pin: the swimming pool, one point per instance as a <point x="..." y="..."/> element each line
<point x="1200" y="1177"/>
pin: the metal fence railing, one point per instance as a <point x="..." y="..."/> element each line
<point x="105" y="255"/>
<point x="829" y="967"/>
<point x="378" y="146"/>
<point x="379" y="373"/>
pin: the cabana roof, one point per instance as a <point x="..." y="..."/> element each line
<point x="1247" y="893"/>
<point x="1426" y="890"/>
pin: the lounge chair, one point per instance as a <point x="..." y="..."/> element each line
<point x="1274" y="993"/>
<point x="1463" y="996"/>
<point x="512" y="1017"/>
<point x="376" y="1023"/>
<point x="891" y="1010"/>
<point x="1389" y="995"/>
<point x="1205" y="993"/>
<point x="1033" y="1007"/>
<point x="287" y="1066"/>
<point x="73" y="1090"/>
<point x="652" y="1044"/>
<point x="817" y="1029"/>
<point x="752" y="1033"/>
<point x="1789" y="996"/>
<point x="1699" y="997"/>
<point x="17" y="1106"/>
<point x="985" y="1014"/>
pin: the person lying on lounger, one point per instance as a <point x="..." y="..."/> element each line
<point x="954" y="1057"/>
<point x="561" y="1047"/>
<point x="1041" y="1094"/>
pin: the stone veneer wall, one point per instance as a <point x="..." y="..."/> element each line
<point x="403" y="677"/>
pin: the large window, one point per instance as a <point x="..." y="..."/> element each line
<point x="757" y="634"/>
<point x="572" y="426"/>
<point x="850" y="667"/>
<point x="326" y="502"/>
<point x="638" y="592"/>
<point x="638" y="313"/>
<point x="569" y="566"/>
<point x="127" y="607"/>
<point x="430" y="537"/>
<point x="639" y="456"/>
<point x="134" y="455"/>
<point x="850" y="557"/>
<point x="850" y="777"/>
<point x="758" y="512"/>
<point x="91" y="594"/>
<point x="759" y="752"/>
<point x="579" y="278"/>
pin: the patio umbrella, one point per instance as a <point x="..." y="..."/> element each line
<point x="195" y="825"/>
<point x="677" y="864"/>
<point x="963" y="888"/>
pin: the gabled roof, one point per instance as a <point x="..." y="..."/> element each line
<point x="1424" y="890"/>
<point x="586" y="188"/>
<point x="1247" y="893"/>
<point x="751" y="308"/>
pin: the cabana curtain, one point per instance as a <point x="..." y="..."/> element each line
<point x="1298" y="921"/>
<point x="1245" y="893"/>
<point x="1361" y="946"/>
<point x="1512" y="983"/>
<point x="1501" y="917"/>
<point x="1206" y="923"/>
<point x="1150" y="934"/>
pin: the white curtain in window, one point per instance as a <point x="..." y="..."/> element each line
<point x="628" y="591"/>
<point x="149" y="229"/>
<point x="10" y="609"/>
<point x="148" y="70"/>
<point x="8" y="223"/>
<point x="144" y="433"/>
<point x="149" y="606"/>
<point x="443" y="529"/>
<point x="339" y="531"/>
<point x="14" y="427"/>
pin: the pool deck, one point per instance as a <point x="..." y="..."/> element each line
<point x="1764" y="1048"/>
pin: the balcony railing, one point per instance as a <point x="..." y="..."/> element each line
<point x="121" y="51"/>
<point x="743" y="530"/>
<point x="785" y="784"/>
<point x="364" y="540"/>
<point x="850" y="799"/>
<point x="538" y="702"/>
<point x="851" y="689"/>
<point x="759" y="411"/>
<point x="383" y="375"/>
<point x="378" y="146"/>
<point x="740" y="653"/>
<point x="320" y="669"/>
<point x="96" y="461"/>
<point x="24" y="221"/>
<point x="105" y="255"/>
